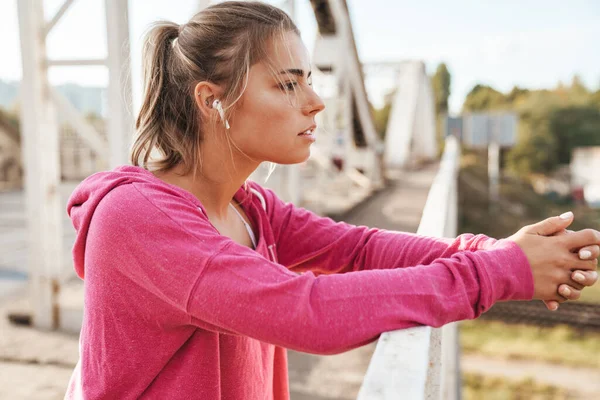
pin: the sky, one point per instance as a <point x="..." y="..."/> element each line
<point x="533" y="43"/>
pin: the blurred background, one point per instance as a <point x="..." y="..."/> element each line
<point x="442" y="118"/>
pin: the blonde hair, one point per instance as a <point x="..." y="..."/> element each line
<point x="219" y="44"/>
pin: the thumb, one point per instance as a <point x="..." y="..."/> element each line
<point x="551" y="225"/>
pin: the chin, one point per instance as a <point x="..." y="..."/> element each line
<point x="297" y="157"/>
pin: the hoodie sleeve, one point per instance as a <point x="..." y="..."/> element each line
<point x="164" y="244"/>
<point x="308" y="242"/>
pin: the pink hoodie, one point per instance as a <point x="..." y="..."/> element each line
<point x="173" y="310"/>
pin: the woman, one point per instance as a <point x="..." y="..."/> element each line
<point x="196" y="280"/>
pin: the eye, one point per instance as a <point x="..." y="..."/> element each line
<point x="288" y="86"/>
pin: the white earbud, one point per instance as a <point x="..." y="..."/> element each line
<point x="217" y="106"/>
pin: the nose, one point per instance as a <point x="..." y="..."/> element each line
<point x="314" y="104"/>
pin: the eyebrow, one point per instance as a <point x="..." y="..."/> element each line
<point x="296" y="71"/>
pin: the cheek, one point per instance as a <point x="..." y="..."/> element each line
<point x="267" y="118"/>
<point x="273" y="106"/>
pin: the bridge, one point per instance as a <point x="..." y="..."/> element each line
<point x="352" y="174"/>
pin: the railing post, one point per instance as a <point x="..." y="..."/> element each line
<point x="422" y="363"/>
<point x="450" y="374"/>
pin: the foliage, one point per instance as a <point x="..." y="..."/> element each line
<point x="440" y="83"/>
<point x="551" y="122"/>
<point x="484" y="98"/>
<point x="516" y="95"/>
<point x="537" y="147"/>
<point x="11" y="116"/>
<point x="381" y="116"/>
<point x="574" y="126"/>
<point x="559" y="345"/>
<point x="477" y="386"/>
<point x="595" y="99"/>
<point x="579" y="94"/>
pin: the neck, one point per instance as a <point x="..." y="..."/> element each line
<point x="214" y="182"/>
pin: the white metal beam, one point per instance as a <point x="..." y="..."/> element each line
<point x="61" y="11"/>
<point x="85" y="130"/>
<point x="338" y="53"/>
<point x="410" y="135"/>
<point x="119" y="116"/>
<point x="40" y="146"/>
<point x="82" y="62"/>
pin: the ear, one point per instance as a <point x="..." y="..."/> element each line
<point x="205" y="93"/>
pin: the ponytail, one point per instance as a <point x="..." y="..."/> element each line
<point x="162" y="118"/>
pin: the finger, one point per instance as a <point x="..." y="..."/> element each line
<point x="573" y="283"/>
<point x="589" y="252"/>
<point x="551" y="225"/>
<point x="585" y="278"/>
<point x="573" y="262"/>
<point x="569" y="292"/>
<point x="562" y="232"/>
<point x="551" y="305"/>
<point x="583" y="238"/>
<point x="558" y="298"/>
<point x="585" y="253"/>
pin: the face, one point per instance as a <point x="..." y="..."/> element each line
<point x="278" y="106"/>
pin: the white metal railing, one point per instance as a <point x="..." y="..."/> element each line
<point x="422" y="363"/>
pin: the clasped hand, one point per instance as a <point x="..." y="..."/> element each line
<point x="562" y="262"/>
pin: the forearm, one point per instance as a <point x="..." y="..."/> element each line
<point x="331" y="314"/>
<point x="361" y="248"/>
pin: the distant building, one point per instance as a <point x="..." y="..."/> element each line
<point x="585" y="173"/>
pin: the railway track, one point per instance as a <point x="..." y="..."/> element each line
<point x="582" y="316"/>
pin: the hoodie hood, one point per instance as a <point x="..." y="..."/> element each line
<point x="86" y="197"/>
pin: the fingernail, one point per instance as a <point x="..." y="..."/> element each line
<point x="594" y="275"/>
<point x="566" y="215"/>
<point x="565" y="291"/>
<point x="578" y="276"/>
<point x="554" y="307"/>
<point x="585" y="254"/>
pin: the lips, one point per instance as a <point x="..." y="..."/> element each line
<point x="308" y="131"/>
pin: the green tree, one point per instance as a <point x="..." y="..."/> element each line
<point x="482" y="98"/>
<point x="595" y="99"/>
<point x="575" y="126"/>
<point x="579" y="94"/>
<point x="551" y="122"/>
<point x="440" y="83"/>
<point x="381" y="115"/>
<point x="536" y="148"/>
<point x="517" y="95"/>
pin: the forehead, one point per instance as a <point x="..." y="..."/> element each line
<point x="287" y="51"/>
